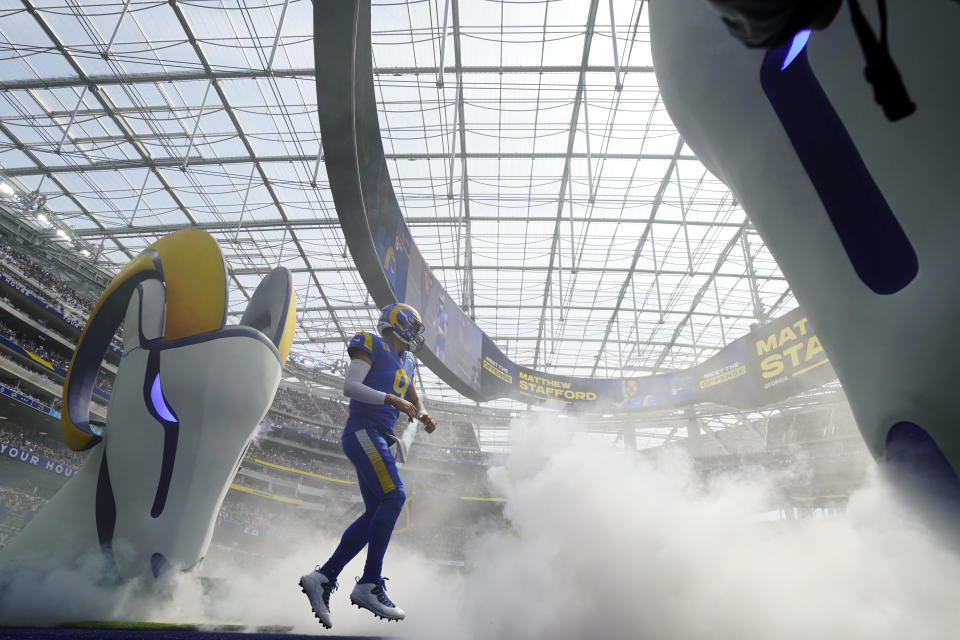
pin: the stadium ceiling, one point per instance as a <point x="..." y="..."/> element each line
<point x="590" y="242"/>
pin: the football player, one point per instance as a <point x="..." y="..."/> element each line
<point x="379" y="383"/>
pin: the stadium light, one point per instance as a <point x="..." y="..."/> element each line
<point x="85" y="253"/>
<point x="63" y="234"/>
<point x="6" y="188"/>
<point x="42" y="219"/>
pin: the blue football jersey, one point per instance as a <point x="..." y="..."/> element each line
<point x="390" y="372"/>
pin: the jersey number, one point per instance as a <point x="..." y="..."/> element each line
<point x="401" y="382"/>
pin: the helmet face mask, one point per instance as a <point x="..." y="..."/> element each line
<point x="405" y="322"/>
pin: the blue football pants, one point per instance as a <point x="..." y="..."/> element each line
<point x="383" y="497"/>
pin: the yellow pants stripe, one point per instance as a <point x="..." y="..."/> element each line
<point x="379" y="467"/>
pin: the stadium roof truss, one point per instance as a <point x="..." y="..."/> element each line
<point x="528" y="144"/>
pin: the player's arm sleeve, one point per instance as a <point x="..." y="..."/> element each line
<point x="353" y="386"/>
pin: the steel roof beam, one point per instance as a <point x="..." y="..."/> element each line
<point x="80" y="206"/>
<point x="780" y="300"/>
<point x="373" y="307"/>
<point x="467" y="303"/>
<point x="105" y="102"/>
<point x="754" y="289"/>
<point x="106" y="52"/>
<point x="616" y="53"/>
<point x="118" y="121"/>
<point x="306" y="73"/>
<point x="734" y="241"/>
<point x="531" y="338"/>
<point x="565" y="177"/>
<point x="525" y="268"/>
<point x="324" y="223"/>
<point x="195" y="161"/>
<point x="641" y="242"/>
<point x="276" y="39"/>
<point x="443" y="44"/>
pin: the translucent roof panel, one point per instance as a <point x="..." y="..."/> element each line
<point x="528" y="144"/>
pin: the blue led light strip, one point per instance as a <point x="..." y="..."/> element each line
<point x="159" y="402"/>
<point x="796" y="46"/>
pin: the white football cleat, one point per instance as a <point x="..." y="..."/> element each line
<point x="318" y="588"/>
<point x="372" y="596"/>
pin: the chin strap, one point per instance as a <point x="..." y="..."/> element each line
<point x="881" y="72"/>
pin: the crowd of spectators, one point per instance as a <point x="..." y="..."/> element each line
<point x="338" y="411"/>
<point x="104" y="383"/>
<point x="46" y="285"/>
<point x="262" y="517"/>
<point x="315" y="431"/>
<point x="296" y="402"/>
<point x="448" y="454"/>
<point x="16" y="508"/>
<point x="60" y="455"/>
<point x="46" y="327"/>
<point x="55" y="402"/>
<point x="451" y="434"/>
<point x="244" y="514"/>
<point x="65" y="298"/>
<point x="46" y="375"/>
<point x="317" y="417"/>
<point x="19" y="501"/>
<point x="286" y="457"/>
<point x="439" y="543"/>
<point x="314" y="408"/>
